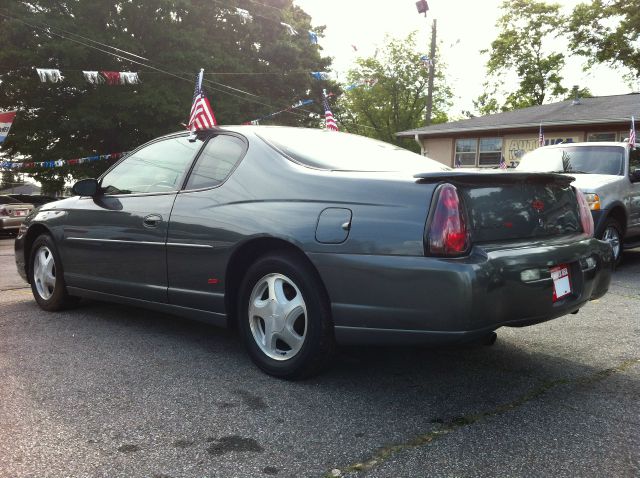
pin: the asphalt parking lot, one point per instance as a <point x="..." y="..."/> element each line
<point x="112" y="391"/>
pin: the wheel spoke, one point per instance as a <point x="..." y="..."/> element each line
<point x="269" y="340"/>
<point x="293" y="309"/>
<point x="291" y="338"/>
<point x="258" y="308"/>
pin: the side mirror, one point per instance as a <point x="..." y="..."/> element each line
<point x="86" y="187"/>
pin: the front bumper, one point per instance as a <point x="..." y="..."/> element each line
<point x="400" y="299"/>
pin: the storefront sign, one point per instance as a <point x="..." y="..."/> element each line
<point x="516" y="148"/>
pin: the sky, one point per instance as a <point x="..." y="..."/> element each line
<point x="464" y="28"/>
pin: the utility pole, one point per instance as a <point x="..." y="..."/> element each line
<point x="432" y="74"/>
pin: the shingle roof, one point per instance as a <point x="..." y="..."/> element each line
<point x="598" y="110"/>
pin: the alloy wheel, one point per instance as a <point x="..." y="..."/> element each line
<point x="612" y="236"/>
<point x="44" y="272"/>
<point x="278" y="317"/>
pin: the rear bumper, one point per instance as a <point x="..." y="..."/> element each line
<point x="400" y="299"/>
<point x="11" y="223"/>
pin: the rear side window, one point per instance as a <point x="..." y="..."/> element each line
<point x="217" y="160"/>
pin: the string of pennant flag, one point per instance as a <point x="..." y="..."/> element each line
<point x="54" y="75"/>
<point x="58" y="163"/>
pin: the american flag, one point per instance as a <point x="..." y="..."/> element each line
<point x="201" y="116"/>
<point x="632" y="133"/>
<point x="541" y="137"/>
<point x="503" y="163"/>
<point x="458" y="162"/>
<point x="329" y="121"/>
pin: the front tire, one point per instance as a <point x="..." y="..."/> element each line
<point x="612" y="233"/>
<point x="284" y="317"/>
<point x="46" y="276"/>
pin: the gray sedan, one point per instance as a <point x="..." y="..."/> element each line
<point x="306" y="238"/>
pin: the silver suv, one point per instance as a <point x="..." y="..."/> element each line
<point x="608" y="174"/>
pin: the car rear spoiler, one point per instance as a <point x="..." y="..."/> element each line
<point x="480" y="177"/>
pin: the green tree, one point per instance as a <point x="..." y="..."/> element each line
<point x="257" y="54"/>
<point x="521" y="48"/>
<point x="397" y="99"/>
<point x="607" y="31"/>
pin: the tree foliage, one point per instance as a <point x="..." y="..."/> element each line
<point x="525" y="28"/>
<point x="75" y="119"/>
<point x="397" y="101"/>
<point x="607" y="31"/>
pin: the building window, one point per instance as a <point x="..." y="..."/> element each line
<point x="490" y="151"/>
<point x="466" y="152"/>
<point x="601" y="137"/>
<point x="478" y="152"/>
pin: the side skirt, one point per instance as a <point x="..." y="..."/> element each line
<point x="213" y="318"/>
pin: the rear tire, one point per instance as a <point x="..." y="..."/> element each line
<point x="284" y="317"/>
<point x="612" y="233"/>
<point x="46" y="276"/>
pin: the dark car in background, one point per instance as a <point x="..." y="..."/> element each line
<point x="35" y="199"/>
<point x="307" y="238"/>
<point x="13" y="212"/>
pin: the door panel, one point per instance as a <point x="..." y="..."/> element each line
<point x="109" y="247"/>
<point x="116" y="242"/>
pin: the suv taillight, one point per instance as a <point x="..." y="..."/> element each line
<point x="446" y="233"/>
<point x="585" y="213"/>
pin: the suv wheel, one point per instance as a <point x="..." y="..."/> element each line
<point x="613" y="235"/>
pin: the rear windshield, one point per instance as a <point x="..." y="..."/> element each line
<point x="575" y="159"/>
<point x="336" y="151"/>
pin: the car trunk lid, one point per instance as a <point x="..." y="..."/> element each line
<point x="514" y="206"/>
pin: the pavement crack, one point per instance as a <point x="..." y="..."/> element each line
<point x="384" y="453"/>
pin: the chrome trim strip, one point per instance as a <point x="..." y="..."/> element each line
<point x="117" y="241"/>
<point x="182" y="244"/>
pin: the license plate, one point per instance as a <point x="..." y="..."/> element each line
<point x="561" y="281"/>
<point x="19" y="212"/>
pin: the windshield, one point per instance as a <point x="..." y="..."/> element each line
<point x="575" y="159"/>
<point x="331" y="150"/>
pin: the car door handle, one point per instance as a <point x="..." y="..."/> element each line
<point x="152" y="220"/>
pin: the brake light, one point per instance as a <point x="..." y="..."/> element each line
<point x="3" y="212"/>
<point x="585" y="213"/>
<point x="447" y="233"/>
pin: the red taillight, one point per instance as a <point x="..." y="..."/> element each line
<point x="3" y="212"/>
<point x="585" y="213"/>
<point x="446" y="233"/>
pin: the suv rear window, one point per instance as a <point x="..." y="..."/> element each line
<point x="575" y="159"/>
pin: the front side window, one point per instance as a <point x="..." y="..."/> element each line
<point x="159" y="167"/>
<point x="466" y="152"/>
<point x="634" y="160"/>
<point x="216" y="161"/>
<point x="490" y="151"/>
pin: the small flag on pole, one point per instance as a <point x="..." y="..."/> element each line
<point x="458" y="162"/>
<point x="6" y="120"/>
<point x="201" y="116"/>
<point x="329" y="121"/>
<point x="503" y="163"/>
<point x="540" y="137"/>
<point x="632" y="133"/>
